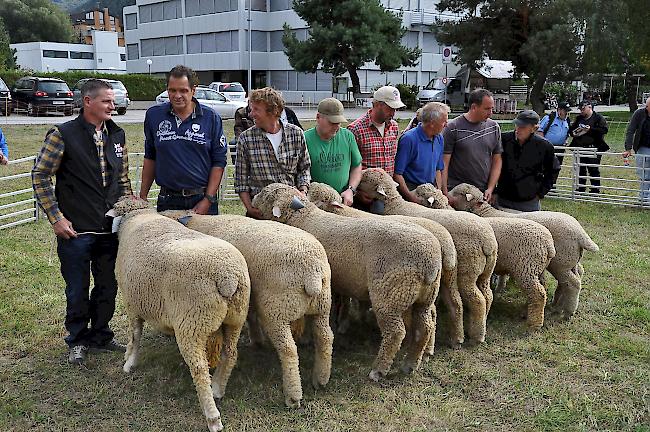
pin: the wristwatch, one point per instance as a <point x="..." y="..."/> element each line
<point x="211" y="198"/>
<point x="353" y="189"/>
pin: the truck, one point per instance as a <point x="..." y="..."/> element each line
<point x="494" y="75"/>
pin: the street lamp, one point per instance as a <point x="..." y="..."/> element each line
<point x="149" y="63"/>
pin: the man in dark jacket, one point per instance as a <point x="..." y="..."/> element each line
<point x="589" y="130"/>
<point x="637" y="138"/>
<point x="529" y="168"/>
<point x="89" y="158"/>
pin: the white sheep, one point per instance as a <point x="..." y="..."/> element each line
<point x="395" y="266"/>
<point x="184" y="283"/>
<point x="569" y="237"/>
<point x="476" y="246"/>
<point x="326" y="198"/>
<point x="290" y="278"/>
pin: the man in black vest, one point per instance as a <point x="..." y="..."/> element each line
<point x="89" y="158"/>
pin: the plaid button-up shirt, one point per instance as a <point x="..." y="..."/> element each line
<point x="257" y="166"/>
<point x="48" y="163"/>
<point x="377" y="151"/>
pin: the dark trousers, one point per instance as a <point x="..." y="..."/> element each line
<point x="179" y="202"/>
<point x="593" y="172"/>
<point x="79" y="257"/>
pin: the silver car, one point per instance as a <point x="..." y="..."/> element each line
<point x="221" y="104"/>
<point x="122" y="100"/>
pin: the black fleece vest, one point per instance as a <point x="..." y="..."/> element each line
<point x="82" y="197"/>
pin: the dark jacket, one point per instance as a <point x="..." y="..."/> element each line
<point x="528" y="170"/>
<point x="243" y="120"/>
<point x="595" y="137"/>
<point x="81" y="196"/>
<point x="292" y="118"/>
<point x="634" y="129"/>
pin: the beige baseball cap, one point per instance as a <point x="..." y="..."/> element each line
<point x="389" y="95"/>
<point x="332" y="110"/>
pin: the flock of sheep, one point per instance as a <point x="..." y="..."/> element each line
<point x="193" y="276"/>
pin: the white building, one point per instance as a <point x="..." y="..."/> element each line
<point x="210" y="36"/>
<point x="104" y="55"/>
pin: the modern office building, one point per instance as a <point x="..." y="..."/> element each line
<point x="211" y="36"/>
<point x="103" y="55"/>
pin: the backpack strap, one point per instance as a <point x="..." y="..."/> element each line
<point x="551" y="119"/>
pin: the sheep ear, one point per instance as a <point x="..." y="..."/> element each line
<point x="468" y="197"/>
<point x="336" y="204"/>
<point x="276" y="212"/>
<point x="296" y="204"/>
<point x="111" y="213"/>
<point x="381" y="190"/>
<point x="185" y="219"/>
<point x="431" y="200"/>
<point x="395" y="184"/>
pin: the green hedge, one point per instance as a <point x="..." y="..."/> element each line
<point x="140" y="87"/>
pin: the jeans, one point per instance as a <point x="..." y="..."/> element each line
<point x="643" y="172"/>
<point x="594" y="171"/>
<point x="79" y="257"/>
<point x="178" y="202"/>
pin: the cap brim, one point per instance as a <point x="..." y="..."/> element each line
<point x="395" y="104"/>
<point x="335" y="118"/>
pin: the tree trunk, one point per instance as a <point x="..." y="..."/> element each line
<point x="354" y="76"/>
<point x="536" y="93"/>
<point x="630" y="90"/>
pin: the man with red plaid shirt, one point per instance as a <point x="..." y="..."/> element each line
<point x="376" y="132"/>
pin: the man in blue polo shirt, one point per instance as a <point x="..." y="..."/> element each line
<point x="555" y="128"/>
<point x="419" y="152"/>
<point x="184" y="150"/>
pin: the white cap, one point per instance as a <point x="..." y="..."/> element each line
<point x="390" y="96"/>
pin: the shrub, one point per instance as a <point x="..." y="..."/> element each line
<point x="408" y="95"/>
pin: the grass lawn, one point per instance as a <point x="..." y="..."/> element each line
<point x="591" y="373"/>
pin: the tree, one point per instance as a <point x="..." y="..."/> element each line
<point x="345" y="34"/>
<point x="541" y="38"/>
<point x="35" y="20"/>
<point x="7" y="55"/>
<point x="615" y="41"/>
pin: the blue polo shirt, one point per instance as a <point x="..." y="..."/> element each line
<point x="558" y="131"/>
<point x="184" y="151"/>
<point x="418" y="157"/>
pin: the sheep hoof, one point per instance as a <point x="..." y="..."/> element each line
<point x="128" y="366"/>
<point x="292" y="403"/>
<point x="215" y="425"/>
<point x="375" y="375"/>
<point x="318" y="383"/>
<point x="407" y="369"/>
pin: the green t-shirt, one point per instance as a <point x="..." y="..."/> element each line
<point x="331" y="160"/>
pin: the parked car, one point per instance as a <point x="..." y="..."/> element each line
<point x="6" y="104"/>
<point x="122" y="100"/>
<point x="234" y="90"/>
<point x="36" y="95"/>
<point x="221" y="104"/>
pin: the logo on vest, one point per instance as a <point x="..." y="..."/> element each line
<point x="196" y="127"/>
<point x="119" y="150"/>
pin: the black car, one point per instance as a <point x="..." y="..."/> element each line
<point x="36" y="95"/>
<point x="6" y="105"/>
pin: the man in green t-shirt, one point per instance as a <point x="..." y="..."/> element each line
<point x="334" y="154"/>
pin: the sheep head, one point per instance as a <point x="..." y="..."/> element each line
<point x="127" y="204"/>
<point x="324" y="196"/>
<point x="468" y="197"/>
<point x="430" y="196"/>
<point x="377" y="184"/>
<point x="279" y="202"/>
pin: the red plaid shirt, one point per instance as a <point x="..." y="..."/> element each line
<point x="376" y="151"/>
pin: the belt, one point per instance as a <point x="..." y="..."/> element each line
<point x="182" y="192"/>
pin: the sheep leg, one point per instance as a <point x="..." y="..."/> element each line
<point x="536" y="294"/>
<point x="423" y="326"/>
<point x="323" y="340"/>
<point x="282" y="339"/>
<point x="393" y="331"/>
<point x="133" y="347"/>
<point x="483" y="284"/>
<point x="474" y="303"/>
<point x="570" y="295"/>
<point x="255" y="333"/>
<point x="192" y="349"/>
<point x="228" y="359"/>
<point x="451" y="298"/>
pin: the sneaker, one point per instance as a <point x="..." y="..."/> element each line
<point x="112" y="345"/>
<point x="77" y="354"/>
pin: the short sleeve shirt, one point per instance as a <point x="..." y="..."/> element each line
<point x="471" y="146"/>
<point x="377" y="150"/>
<point x="558" y="131"/>
<point x="332" y="160"/>
<point x="419" y="157"/>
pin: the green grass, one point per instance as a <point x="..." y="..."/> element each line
<point x="590" y="373"/>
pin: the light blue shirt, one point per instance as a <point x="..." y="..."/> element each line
<point x="3" y="145"/>
<point x="558" y="131"/>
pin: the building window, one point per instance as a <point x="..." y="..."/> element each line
<point x="430" y="44"/>
<point x="162" y="46"/>
<point x="161" y="11"/>
<point x="257" y="5"/>
<point x="122" y="57"/>
<point x="131" y="21"/>
<point x="55" y="54"/>
<point x="279" y="5"/>
<point x="205" y="7"/>
<point x="275" y="41"/>
<point x="132" y="52"/>
<point x="226" y="41"/>
<point x="81" y="55"/>
<point x="259" y="43"/>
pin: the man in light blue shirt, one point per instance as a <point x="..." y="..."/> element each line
<point x="555" y="127"/>
<point x="4" y="150"/>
